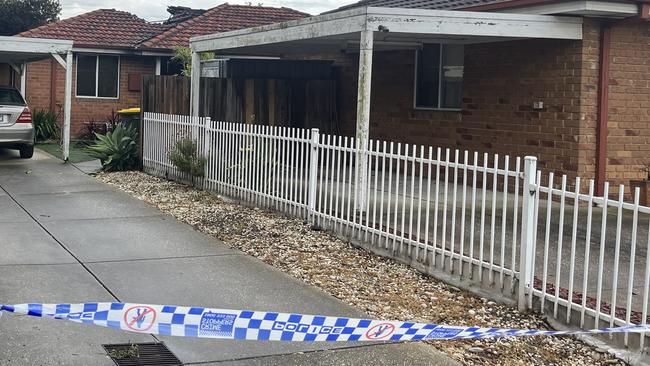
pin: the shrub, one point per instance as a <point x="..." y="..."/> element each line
<point x="185" y="157"/>
<point x="117" y="149"/>
<point x="46" y="124"/>
<point x="183" y="56"/>
<point x="94" y="126"/>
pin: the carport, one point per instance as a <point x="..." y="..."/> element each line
<point x="19" y="51"/>
<point x="365" y="29"/>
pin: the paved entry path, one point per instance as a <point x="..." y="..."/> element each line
<point x="65" y="237"/>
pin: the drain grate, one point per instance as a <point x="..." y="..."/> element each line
<point x="141" y="354"/>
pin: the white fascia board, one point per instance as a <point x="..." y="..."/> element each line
<point x="349" y="21"/>
<point x="157" y="53"/>
<point x="34" y="45"/>
<point x="414" y="21"/>
<point x="104" y="51"/>
<point x="584" y="7"/>
<point x="114" y="51"/>
<point x="474" y="24"/>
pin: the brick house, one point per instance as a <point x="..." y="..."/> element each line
<point x="581" y="105"/>
<point x="113" y="49"/>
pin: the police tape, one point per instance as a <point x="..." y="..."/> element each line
<point x="202" y="322"/>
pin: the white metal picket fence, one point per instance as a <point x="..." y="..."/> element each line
<point x="481" y="218"/>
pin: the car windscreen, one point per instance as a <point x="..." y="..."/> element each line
<point x="11" y="97"/>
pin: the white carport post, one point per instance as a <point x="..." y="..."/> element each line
<point x="195" y="83"/>
<point x="23" y="79"/>
<point x="67" y="100"/>
<point x="363" y="116"/>
<point x="67" y="104"/>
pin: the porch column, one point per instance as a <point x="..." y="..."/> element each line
<point x="23" y="80"/>
<point x="195" y="83"/>
<point x="363" y="116"/>
<point x="67" y="105"/>
<point x="158" y="65"/>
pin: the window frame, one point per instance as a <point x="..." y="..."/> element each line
<point x="415" y="84"/>
<point x="76" y="70"/>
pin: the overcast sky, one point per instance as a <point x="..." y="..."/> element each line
<point x="156" y="10"/>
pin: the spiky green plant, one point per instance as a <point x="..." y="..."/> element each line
<point x="46" y="124"/>
<point x="117" y="149"/>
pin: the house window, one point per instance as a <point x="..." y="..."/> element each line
<point x="439" y="76"/>
<point x="98" y="76"/>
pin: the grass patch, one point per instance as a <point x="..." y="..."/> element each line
<point x="77" y="152"/>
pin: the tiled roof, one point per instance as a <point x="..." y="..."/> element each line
<point x="419" y="4"/>
<point x="103" y="28"/>
<point x="222" y="18"/>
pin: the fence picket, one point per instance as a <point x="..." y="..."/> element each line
<point x="601" y="256"/>
<point x="452" y="240"/>
<point x="504" y="215"/>
<point x="617" y="253"/>
<point x="493" y="218"/>
<point x="630" y="277"/>
<point x="574" y="238"/>
<point x="482" y="232"/>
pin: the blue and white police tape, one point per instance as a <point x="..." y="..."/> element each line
<point x="267" y="326"/>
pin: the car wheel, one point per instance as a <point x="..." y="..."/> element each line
<point x="26" y="152"/>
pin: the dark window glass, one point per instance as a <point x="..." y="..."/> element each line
<point x="86" y="68"/>
<point x="453" y="57"/>
<point x="11" y="97"/>
<point x="108" y="77"/>
<point x="428" y="76"/>
<point x="169" y="67"/>
<point x="439" y="79"/>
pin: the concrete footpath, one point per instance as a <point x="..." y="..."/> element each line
<point x="65" y="237"/>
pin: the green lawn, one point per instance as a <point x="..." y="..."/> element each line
<point x="77" y="154"/>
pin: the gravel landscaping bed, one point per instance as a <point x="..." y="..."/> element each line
<point x="381" y="287"/>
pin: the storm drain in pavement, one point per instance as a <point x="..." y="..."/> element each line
<point x="141" y="354"/>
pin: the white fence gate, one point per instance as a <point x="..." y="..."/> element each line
<point x="484" y="218"/>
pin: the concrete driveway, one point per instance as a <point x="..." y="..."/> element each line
<point x="65" y="237"/>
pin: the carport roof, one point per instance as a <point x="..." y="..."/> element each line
<point x="18" y="50"/>
<point x="392" y="26"/>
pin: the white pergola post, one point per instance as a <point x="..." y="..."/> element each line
<point x="195" y="83"/>
<point x="363" y="116"/>
<point x="23" y="79"/>
<point x="67" y="104"/>
<point x="158" y="65"/>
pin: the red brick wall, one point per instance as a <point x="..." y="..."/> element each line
<point x="84" y="109"/>
<point x="628" y="141"/>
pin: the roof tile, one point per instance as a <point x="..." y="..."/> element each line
<point x="103" y="28"/>
<point x="222" y="18"/>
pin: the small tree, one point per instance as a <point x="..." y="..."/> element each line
<point x="20" y="15"/>
<point x="183" y="55"/>
<point x="185" y="157"/>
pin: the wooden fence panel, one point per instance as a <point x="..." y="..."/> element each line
<point x="279" y="102"/>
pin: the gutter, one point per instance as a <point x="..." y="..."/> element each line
<point x="603" y="93"/>
<point x="512" y="4"/>
<point x="509" y="5"/>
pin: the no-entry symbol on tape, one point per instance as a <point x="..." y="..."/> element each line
<point x="140" y="318"/>
<point x="380" y="331"/>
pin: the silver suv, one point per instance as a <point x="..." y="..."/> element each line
<point x="16" y="127"/>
